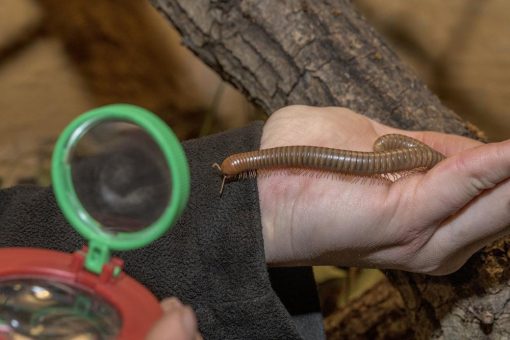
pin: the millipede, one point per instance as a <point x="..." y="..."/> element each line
<point x="393" y="153"/>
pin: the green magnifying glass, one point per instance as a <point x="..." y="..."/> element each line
<point x="121" y="179"/>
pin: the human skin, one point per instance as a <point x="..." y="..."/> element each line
<point x="177" y="323"/>
<point x="429" y="222"/>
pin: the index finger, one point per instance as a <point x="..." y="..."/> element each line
<point x="447" y="144"/>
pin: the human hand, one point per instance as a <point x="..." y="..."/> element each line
<point x="177" y="323"/>
<point x="428" y="222"/>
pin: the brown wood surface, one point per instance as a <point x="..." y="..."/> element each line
<point x="324" y="53"/>
<point x="379" y="314"/>
<point x="308" y="52"/>
<point x="461" y="48"/>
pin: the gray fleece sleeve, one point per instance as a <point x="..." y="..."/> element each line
<point x="213" y="259"/>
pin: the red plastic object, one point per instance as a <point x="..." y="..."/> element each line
<point x="138" y="308"/>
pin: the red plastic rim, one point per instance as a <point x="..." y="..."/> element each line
<point x="138" y="308"/>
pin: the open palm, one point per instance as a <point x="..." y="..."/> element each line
<point x="426" y="222"/>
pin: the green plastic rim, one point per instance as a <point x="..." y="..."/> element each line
<point x="68" y="200"/>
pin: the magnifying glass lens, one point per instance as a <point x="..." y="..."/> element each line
<point x="38" y="308"/>
<point x="120" y="175"/>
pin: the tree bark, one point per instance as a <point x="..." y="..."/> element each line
<point x="378" y="314"/>
<point x="324" y="53"/>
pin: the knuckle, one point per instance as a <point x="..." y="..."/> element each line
<point x="473" y="167"/>
<point x="437" y="263"/>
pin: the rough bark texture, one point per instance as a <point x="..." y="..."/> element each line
<point x="379" y="314"/>
<point x="307" y="52"/>
<point x="323" y="53"/>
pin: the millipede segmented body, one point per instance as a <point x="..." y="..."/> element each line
<point x="393" y="153"/>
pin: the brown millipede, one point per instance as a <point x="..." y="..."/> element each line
<point x="392" y="153"/>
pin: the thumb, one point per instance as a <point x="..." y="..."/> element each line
<point x="457" y="180"/>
